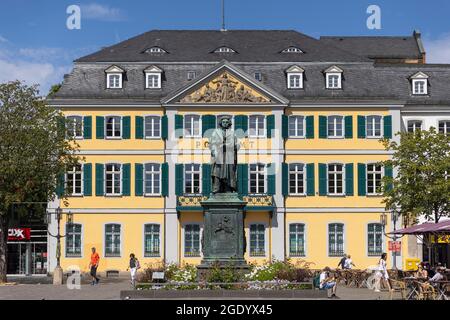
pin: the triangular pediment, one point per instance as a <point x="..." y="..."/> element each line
<point x="225" y="84"/>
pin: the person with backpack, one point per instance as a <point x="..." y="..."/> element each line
<point x="133" y="266"/>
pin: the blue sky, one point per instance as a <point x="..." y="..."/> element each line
<point x="36" y="46"/>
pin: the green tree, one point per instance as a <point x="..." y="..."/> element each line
<point x="34" y="152"/>
<point x="422" y="184"/>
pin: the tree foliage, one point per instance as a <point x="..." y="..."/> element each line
<point x="422" y="184"/>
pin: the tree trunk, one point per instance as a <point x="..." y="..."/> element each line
<point x="3" y="247"/>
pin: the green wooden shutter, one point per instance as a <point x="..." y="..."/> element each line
<point x="178" y="125"/>
<point x="243" y="179"/>
<point x="60" y="181"/>
<point x="126" y="126"/>
<point x="165" y="179"/>
<point x="138" y="179"/>
<point x="271" y="185"/>
<point x="179" y="179"/>
<point x="87" y="127"/>
<point x="323" y="127"/>
<point x="206" y="179"/>
<point x="387" y="127"/>
<point x="322" y="179"/>
<point x="126" y="175"/>
<point x="310" y="185"/>
<point x="349" y="179"/>
<point x="361" y="127"/>
<point x="100" y="127"/>
<point x="164" y="128"/>
<point x="361" y="179"/>
<point x="87" y="179"/>
<point x="310" y="127"/>
<point x="270" y="121"/>
<point x="285" y="179"/>
<point x="241" y="125"/>
<point x="139" y="127"/>
<point x="285" y="126"/>
<point x="99" y="184"/>
<point x="208" y="123"/>
<point x="348" y="127"/>
<point x="61" y="127"/>
<point x="388" y="172"/>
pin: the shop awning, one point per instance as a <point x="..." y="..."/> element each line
<point x="424" y="228"/>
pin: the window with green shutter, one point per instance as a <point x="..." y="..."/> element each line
<point x="99" y="127"/>
<point x="165" y="179"/>
<point x="87" y="179"/>
<point x="348" y="120"/>
<point x="241" y="125"/>
<point x="349" y="179"/>
<point x="60" y="184"/>
<point x="361" y="179"/>
<point x="208" y="124"/>
<point x="388" y="172"/>
<point x="99" y="180"/>
<point x="126" y="124"/>
<point x="164" y="128"/>
<point x="322" y="179"/>
<point x="206" y="179"/>
<point x="271" y="185"/>
<point x="285" y="126"/>
<point x="361" y="127"/>
<point x="387" y="121"/>
<point x="285" y="179"/>
<point x="139" y="127"/>
<point x="179" y="125"/>
<point x="323" y="127"/>
<point x="310" y="185"/>
<point x="87" y="127"/>
<point x="138" y="179"/>
<point x="270" y="126"/>
<point x="309" y="127"/>
<point x="126" y="175"/>
<point x="242" y="179"/>
<point x="179" y="179"/>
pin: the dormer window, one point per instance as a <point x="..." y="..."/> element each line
<point x="419" y="83"/>
<point x="114" y="77"/>
<point x="333" y="78"/>
<point x="224" y="50"/>
<point x="191" y="75"/>
<point x="155" y="50"/>
<point x="153" y="77"/>
<point x="294" y="77"/>
<point x="292" y="50"/>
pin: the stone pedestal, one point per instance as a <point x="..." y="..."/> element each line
<point x="223" y="240"/>
<point x="58" y="276"/>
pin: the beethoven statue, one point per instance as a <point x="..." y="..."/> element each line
<point x="224" y="146"/>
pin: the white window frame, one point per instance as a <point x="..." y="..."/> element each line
<point x="415" y="90"/>
<point x="300" y="81"/>
<point x="337" y="85"/>
<point x="152" y="116"/>
<point x="151" y="84"/>
<point x="73" y="171"/>
<point x="188" y="134"/>
<point x="155" y="50"/>
<point x="265" y="240"/>
<point x="69" y="256"/>
<point x="224" y="49"/>
<point x="415" y="121"/>
<point x="114" y="194"/>
<point x="373" y="172"/>
<point x="151" y="255"/>
<point x="302" y="254"/>
<point x="292" y="50"/>
<point x="199" y="243"/>
<point x="373" y="127"/>
<point x="152" y="173"/>
<point x="256" y="134"/>
<point x="192" y="173"/>
<point x="258" y="173"/>
<point x="114" y="74"/>
<point x="446" y="127"/>
<point x="296" y="124"/>
<point x="259" y="77"/>
<point x="73" y="130"/>
<point x="374" y="254"/>
<point x="335" y="182"/>
<point x="297" y="172"/>
<point x="335" y="136"/>
<point x="335" y="254"/>
<point x="120" y="239"/>
<point x="114" y="137"/>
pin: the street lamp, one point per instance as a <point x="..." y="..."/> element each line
<point x="383" y="222"/>
<point x="58" y="272"/>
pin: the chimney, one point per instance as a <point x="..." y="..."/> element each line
<point x="418" y="36"/>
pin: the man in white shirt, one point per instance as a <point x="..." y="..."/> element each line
<point x="327" y="282"/>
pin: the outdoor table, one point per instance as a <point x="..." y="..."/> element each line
<point x="412" y="283"/>
<point x="442" y="289"/>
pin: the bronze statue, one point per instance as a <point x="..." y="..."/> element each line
<point x="224" y="146"/>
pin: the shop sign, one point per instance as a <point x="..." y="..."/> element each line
<point x="19" y="234"/>
<point x="395" y="246"/>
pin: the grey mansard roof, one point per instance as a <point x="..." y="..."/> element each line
<point x="362" y="80"/>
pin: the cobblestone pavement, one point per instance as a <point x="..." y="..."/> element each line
<point x="109" y="289"/>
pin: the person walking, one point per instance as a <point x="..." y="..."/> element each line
<point x="348" y="264"/>
<point x="93" y="265"/>
<point x="133" y="266"/>
<point x="342" y="261"/>
<point x="382" y="273"/>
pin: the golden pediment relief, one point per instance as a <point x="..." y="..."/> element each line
<point x="225" y="89"/>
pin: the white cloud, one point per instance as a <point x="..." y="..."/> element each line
<point x="438" y="50"/>
<point x="3" y="39"/>
<point x="97" y="11"/>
